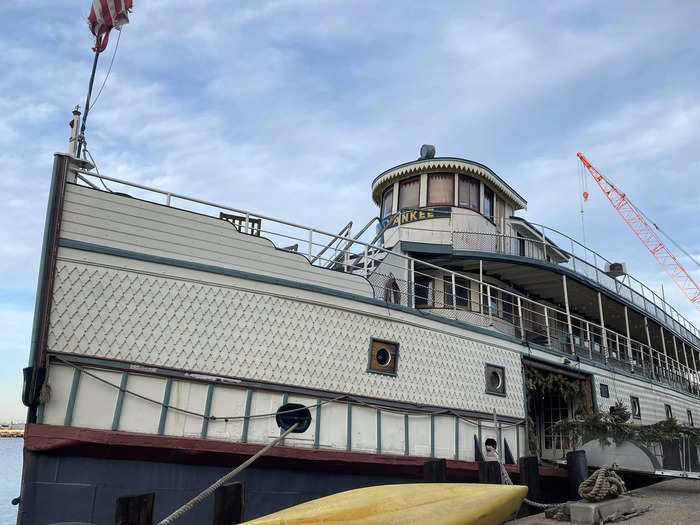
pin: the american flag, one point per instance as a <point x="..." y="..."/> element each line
<point x="105" y="15"/>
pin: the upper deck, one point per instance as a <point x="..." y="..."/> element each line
<point x="426" y="276"/>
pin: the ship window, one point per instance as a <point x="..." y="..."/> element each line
<point x="387" y="201"/>
<point x="669" y="412"/>
<point x="423" y="290"/>
<point x="495" y="380"/>
<point x="409" y="193"/>
<point x="521" y="244"/>
<point x="441" y="189"/>
<point x="461" y="289"/>
<point x="489" y="300"/>
<point x="690" y="418"/>
<point x="383" y="357"/>
<point x="604" y="390"/>
<point x="636" y="408"/>
<point x="468" y="192"/>
<point x="488" y="203"/>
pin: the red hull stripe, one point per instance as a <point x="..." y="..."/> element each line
<point x="60" y="440"/>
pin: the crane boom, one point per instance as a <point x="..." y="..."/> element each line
<point x="646" y="234"/>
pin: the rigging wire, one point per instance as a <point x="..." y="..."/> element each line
<point x="109" y="70"/>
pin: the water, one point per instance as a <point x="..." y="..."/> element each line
<point x="10" y="477"/>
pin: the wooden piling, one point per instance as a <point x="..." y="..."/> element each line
<point x="530" y="477"/>
<point x="229" y="504"/>
<point x="435" y="471"/>
<point x="490" y="472"/>
<point x="577" y="466"/>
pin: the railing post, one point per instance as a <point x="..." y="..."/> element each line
<point x="595" y="265"/>
<point x="413" y="283"/>
<point x="568" y="313"/>
<point x="546" y="325"/>
<point x="167" y="199"/>
<point x="365" y="261"/>
<point x="573" y="257"/>
<point x="481" y="286"/>
<point x="588" y="339"/>
<point x="651" y="350"/>
<point x="602" y="326"/>
<point x="629" y="339"/>
<point x="454" y="292"/>
<point x="488" y="300"/>
<point x="520" y="318"/>
<point x="675" y="351"/>
<point x="663" y="345"/>
<point x="247" y="223"/>
<point x="311" y="233"/>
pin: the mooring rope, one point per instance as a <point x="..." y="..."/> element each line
<point x="604" y="483"/>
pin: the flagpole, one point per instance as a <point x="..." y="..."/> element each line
<point x="81" y="136"/>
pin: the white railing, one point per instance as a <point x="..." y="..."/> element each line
<point x="585" y="262"/>
<point x="403" y="280"/>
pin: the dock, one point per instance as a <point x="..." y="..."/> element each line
<point x="673" y="501"/>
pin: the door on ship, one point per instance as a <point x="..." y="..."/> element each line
<point x="553" y="394"/>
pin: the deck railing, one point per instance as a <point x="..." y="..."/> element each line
<point x="400" y="279"/>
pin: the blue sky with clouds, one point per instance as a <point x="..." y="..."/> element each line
<point x="292" y="107"/>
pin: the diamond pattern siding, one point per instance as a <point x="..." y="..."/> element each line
<point x="192" y="325"/>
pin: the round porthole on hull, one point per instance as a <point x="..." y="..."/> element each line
<point x="383" y="357"/>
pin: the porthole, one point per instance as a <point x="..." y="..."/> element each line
<point x="495" y="380"/>
<point x="383" y="357"/>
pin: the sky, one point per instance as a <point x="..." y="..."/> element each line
<point x="291" y="108"/>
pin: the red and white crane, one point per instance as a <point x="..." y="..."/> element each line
<point x="646" y="234"/>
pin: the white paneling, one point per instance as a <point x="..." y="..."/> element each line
<point x="263" y="429"/>
<point x="60" y="380"/>
<point x="188" y="396"/>
<point x="419" y="435"/>
<point x="130" y="224"/>
<point x="227" y="401"/>
<point x="466" y="440"/>
<point x="333" y="431"/>
<point x="445" y="437"/>
<point x="95" y="401"/>
<point x="139" y="415"/>
<point x="364" y="429"/>
<point x="393" y="434"/>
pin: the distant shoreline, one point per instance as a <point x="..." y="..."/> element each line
<point x="14" y="433"/>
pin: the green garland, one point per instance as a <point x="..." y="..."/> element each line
<point x="537" y="382"/>
<point x="613" y="427"/>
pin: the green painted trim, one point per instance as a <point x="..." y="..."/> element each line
<point x="48" y="240"/>
<point x="164" y="408"/>
<point x="406" y="447"/>
<point x="426" y="247"/>
<point x="501" y="447"/>
<point x="246" y="415"/>
<point x="379" y="431"/>
<point x="348" y="442"/>
<point x="432" y="435"/>
<point x="120" y="401"/>
<point x="285" y="400"/>
<point x="71" y="398"/>
<point x="478" y="431"/>
<point x="456" y="437"/>
<point x="207" y="410"/>
<point x="317" y="429"/>
<point x="40" y="413"/>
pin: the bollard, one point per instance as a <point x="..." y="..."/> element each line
<point x="435" y="471"/>
<point x="490" y="472"/>
<point x="530" y="477"/>
<point x="577" y="465"/>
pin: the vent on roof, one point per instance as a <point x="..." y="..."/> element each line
<point x="615" y="269"/>
<point x="427" y="151"/>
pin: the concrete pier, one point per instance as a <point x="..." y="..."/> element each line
<point x="674" y="501"/>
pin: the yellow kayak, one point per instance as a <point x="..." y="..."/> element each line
<point x="433" y="503"/>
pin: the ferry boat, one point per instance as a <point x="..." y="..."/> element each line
<point x="168" y="330"/>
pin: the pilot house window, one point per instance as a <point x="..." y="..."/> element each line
<point x="387" y="201"/>
<point x="468" y="192"/>
<point x="441" y="189"/>
<point x="409" y="193"/>
<point x="423" y="290"/>
<point x="488" y="203"/>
